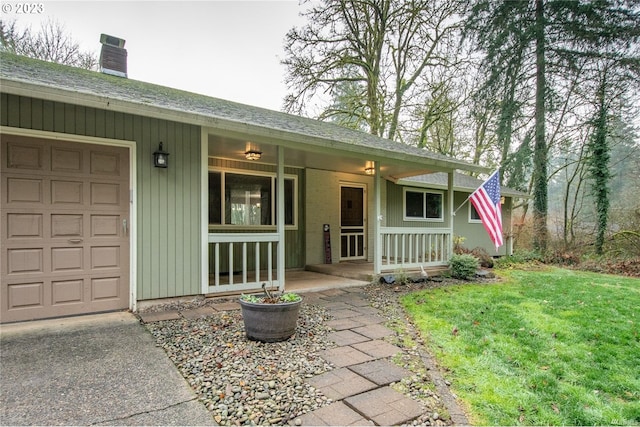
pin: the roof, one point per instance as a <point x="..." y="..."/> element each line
<point x="30" y="77"/>
<point x="461" y="182"/>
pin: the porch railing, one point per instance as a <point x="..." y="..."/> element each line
<point x="408" y="248"/>
<point x="242" y="261"/>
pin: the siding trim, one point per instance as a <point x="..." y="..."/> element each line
<point x="131" y="145"/>
<point x="204" y="210"/>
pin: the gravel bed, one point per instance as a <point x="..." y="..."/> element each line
<point x="244" y="382"/>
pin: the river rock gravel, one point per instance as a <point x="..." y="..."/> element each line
<point x="243" y="382"/>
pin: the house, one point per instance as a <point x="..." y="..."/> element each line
<point x="467" y="223"/>
<point x="91" y="222"/>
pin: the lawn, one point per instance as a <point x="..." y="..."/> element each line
<point x="549" y="347"/>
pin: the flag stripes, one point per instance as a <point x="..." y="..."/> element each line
<point x="486" y="200"/>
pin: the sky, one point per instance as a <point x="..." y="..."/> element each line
<point x="225" y="49"/>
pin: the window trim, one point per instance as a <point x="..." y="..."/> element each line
<point x="424" y="193"/>
<point x="273" y="176"/>
<point x="471" y="219"/>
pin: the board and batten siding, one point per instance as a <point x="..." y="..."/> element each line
<point x="474" y="233"/>
<point x="395" y="208"/>
<point x="168" y="200"/>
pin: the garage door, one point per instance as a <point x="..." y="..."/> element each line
<point x="65" y="214"/>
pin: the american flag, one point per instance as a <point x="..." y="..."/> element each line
<point x="486" y="200"/>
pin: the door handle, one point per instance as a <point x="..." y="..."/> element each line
<point x="124" y="226"/>
<point x="75" y="240"/>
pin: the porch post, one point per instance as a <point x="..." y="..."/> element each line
<point x="204" y="211"/>
<point x="450" y="209"/>
<point x="377" y="219"/>
<point x="280" y="220"/>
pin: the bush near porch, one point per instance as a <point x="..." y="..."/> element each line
<point x="544" y="347"/>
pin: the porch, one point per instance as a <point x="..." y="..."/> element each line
<point x="321" y="277"/>
<point x="242" y="262"/>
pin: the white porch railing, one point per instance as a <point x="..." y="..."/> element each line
<point x="414" y="247"/>
<point x="237" y="277"/>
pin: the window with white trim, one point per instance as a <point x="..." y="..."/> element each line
<point x="422" y="205"/>
<point x="474" y="216"/>
<point x="249" y="200"/>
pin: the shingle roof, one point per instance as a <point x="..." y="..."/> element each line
<point x="461" y="182"/>
<point x="203" y="110"/>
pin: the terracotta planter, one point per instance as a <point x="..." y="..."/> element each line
<point x="270" y="322"/>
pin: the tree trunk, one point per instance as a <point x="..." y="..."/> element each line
<point x="540" y="203"/>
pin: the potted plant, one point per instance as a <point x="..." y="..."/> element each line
<point x="270" y="317"/>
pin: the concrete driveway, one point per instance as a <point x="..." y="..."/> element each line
<point x="91" y="370"/>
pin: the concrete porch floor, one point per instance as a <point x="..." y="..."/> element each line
<point x="302" y="281"/>
<point x="320" y="277"/>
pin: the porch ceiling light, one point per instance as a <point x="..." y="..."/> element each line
<point x="160" y="157"/>
<point x="253" y="154"/>
<point x="370" y="170"/>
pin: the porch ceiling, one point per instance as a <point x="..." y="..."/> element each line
<point x="332" y="159"/>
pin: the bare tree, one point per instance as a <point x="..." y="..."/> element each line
<point x="374" y="56"/>
<point x="50" y="43"/>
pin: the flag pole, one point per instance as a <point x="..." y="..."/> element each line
<point x="465" y="201"/>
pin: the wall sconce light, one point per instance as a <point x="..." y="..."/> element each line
<point x="160" y="158"/>
<point x="370" y="168"/>
<point x="253" y="154"/>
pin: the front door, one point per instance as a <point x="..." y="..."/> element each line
<point x="65" y="239"/>
<point x="352" y="222"/>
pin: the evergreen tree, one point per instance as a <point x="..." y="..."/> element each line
<point x="547" y="38"/>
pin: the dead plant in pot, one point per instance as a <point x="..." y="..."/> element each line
<point x="270" y="317"/>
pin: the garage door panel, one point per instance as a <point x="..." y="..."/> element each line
<point x="63" y="244"/>
<point x="25" y="190"/>
<point x="67" y="259"/>
<point x="26" y="295"/>
<point x="105" y="225"/>
<point x="67" y="192"/>
<point x="103" y="194"/>
<point x="105" y="288"/>
<point x="25" y="260"/>
<point x="25" y="156"/>
<point x="105" y="163"/>
<point x="24" y="225"/>
<point x="67" y="225"/>
<point x="66" y="160"/>
<point x="67" y="292"/>
<point x="105" y="257"/>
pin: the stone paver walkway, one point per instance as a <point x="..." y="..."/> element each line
<point x="359" y="386"/>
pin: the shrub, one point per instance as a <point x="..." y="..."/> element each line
<point x="463" y="266"/>
<point x="518" y="258"/>
<point x="483" y="256"/>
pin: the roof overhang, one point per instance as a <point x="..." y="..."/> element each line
<point x="395" y="165"/>
<point x="504" y="191"/>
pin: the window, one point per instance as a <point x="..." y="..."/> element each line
<point x="473" y="214"/>
<point x="241" y="199"/>
<point x="422" y="205"/>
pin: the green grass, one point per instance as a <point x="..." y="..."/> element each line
<point x="550" y="347"/>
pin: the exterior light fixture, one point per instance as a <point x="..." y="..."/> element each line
<point x="253" y="154"/>
<point x="160" y="158"/>
<point x="369" y="168"/>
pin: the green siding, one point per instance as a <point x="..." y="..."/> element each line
<point x="474" y="233"/>
<point x="168" y="200"/>
<point x="395" y="215"/>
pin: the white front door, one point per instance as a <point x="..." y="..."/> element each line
<point x="352" y="222"/>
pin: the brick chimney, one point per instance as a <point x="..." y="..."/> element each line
<point x="113" y="56"/>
